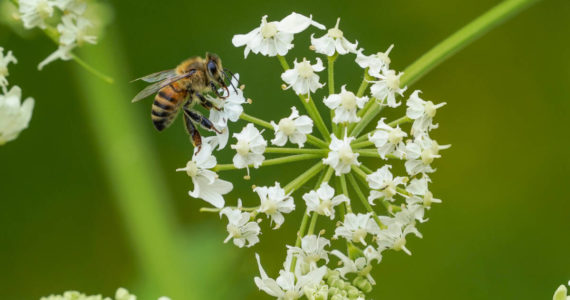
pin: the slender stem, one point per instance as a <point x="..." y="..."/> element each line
<point x="359" y="172"/>
<point x="365" y="169"/>
<point x="91" y="69"/>
<point x="370" y="114"/>
<point x="373" y="153"/>
<point x="303" y="178"/>
<point x="330" y="71"/>
<point x="313" y="224"/>
<point x="283" y="62"/>
<point x="217" y="210"/>
<point x="469" y="33"/>
<point x="364" y="84"/>
<point x="362" y="145"/>
<point x="328" y="175"/>
<point x="363" y="199"/>
<point x="345" y="192"/>
<point x="311" y="139"/>
<point x="322" y="152"/>
<point x="337" y="187"/>
<point x="399" y="121"/>
<point x="270" y="162"/>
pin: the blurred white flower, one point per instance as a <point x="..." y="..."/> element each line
<point x="240" y="229"/>
<point x="383" y="184"/>
<point x="274" y="203"/>
<point x="63" y="52"/>
<point x="422" y="112"/>
<point x="274" y="38"/>
<point x="123" y="294"/>
<point x="561" y="293"/>
<point x="355" y="228"/>
<point x="14" y="117"/>
<point x="341" y="157"/>
<point x="35" y="12"/>
<point x="323" y="200"/>
<point x="303" y="78"/>
<point x="295" y="128"/>
<point x="333" y="41"/>
<point x="345" y="105"/>
<point x="387" y="87"/>
<point x="376" y="63"/>
<point x="388" y="140"/>
<point x="73" y="30"/>
<point x="4" y="61"/>
<point x="250" y="147"/>
<point x="207" y="185"/>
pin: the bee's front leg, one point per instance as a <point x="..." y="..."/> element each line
<point x="205" y="102"/>
<point x="198" y="118"/>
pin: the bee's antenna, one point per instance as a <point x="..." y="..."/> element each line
<point x="226" y="71"/>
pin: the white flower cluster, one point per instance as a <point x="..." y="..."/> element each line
<point x="121" y="294"/>
<point x="14" y="115"/>
<point x="68" y="19"/>
<point x="315" y="266"/>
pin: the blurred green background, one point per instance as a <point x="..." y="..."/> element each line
<point x="501" y="232"/>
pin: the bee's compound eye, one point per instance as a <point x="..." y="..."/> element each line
<point x="212" y="67"/>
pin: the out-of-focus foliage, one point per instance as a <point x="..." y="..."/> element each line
<point x="501" y="232"/>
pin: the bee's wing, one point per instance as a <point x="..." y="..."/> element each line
<point x="153" y="88"/>
<point x="158" y="76"/>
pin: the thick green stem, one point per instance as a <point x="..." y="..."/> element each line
<point x="311" y="139"/>
<point x="270" y="162"/>
<point x="470" y="32"/>
<point x="130" y="164"/>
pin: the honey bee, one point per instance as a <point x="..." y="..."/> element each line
<point x="184" y="87"/>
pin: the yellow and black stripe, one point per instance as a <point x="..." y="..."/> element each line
<point x="165" y="106"/>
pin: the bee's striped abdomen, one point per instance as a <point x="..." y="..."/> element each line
<point x="165" y="106"/>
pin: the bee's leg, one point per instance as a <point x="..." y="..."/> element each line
<point x="198" y="118"/>
<point x="205" y="102"/>
<point x="192" y="131"/>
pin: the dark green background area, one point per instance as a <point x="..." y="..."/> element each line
<point x="500" y="233"/>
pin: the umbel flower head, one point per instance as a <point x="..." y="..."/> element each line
<point x="387" y="171"/>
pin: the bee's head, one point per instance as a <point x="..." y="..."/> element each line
<point x="215" y="70"/>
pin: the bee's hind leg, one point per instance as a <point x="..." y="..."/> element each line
<point x="193" y="132"/>
<point x="198" y="118"/>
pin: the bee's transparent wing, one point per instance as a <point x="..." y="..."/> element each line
<point x="158" y="76"/>
<point x="153" y="88"/>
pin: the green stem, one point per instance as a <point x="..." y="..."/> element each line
<point x="364" y="84"/>
<point x="283" y="62"/>
<point x="461" y="38"/>
<point x="361" y="145"/>
<point x="338" y="186"/>
<point x="345" y="192"/>
<point x="399" y="121"/>
<point x="322" y="152"/>
<point x="359" y="172"/>
<point x="372" y="153"/>
<point x="303" y="178"/>
<point x="311" y="139"/>
<point x="373" y="110"/>
<point x="270" y="162"/>
<point x="313" y="224"/>
<point x="469" y="33"/>
<point x="363" y="199"/>
<point x="217" y="210"/>
<point x="139" y="190"/>
<point x="330" y="71"/>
